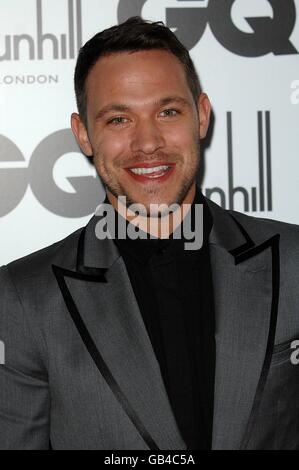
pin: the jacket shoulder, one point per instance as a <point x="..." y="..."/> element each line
<point x="261" y="228"/>
<point x="36" y="266"/>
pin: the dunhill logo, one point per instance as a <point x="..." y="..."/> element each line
<point x="64" y="46"/>
<point x="255" y="199"/>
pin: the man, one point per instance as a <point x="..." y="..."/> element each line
<point x="119" y="343"/>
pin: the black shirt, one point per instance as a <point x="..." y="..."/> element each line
<point x="174" y="291"/>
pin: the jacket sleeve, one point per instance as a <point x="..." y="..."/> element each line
<point x="24" y="389"/>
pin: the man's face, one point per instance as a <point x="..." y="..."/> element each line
<point x="143" y="127"/>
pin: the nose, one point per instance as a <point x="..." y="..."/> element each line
<point x="147" y="137"/>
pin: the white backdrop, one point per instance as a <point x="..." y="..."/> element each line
<point x="247" y="56"/>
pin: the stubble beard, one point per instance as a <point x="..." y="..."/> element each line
<point x="117" y="189"/>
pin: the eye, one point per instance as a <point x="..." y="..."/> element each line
<point x="170" y="112"/>
<point x="118" y="120"/>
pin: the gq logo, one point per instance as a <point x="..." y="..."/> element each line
<point x="270" y="34"/>
<point x="39" y="175"/>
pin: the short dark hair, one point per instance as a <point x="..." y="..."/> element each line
<point x="135" y="34"/>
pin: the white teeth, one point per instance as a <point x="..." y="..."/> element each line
<point x="144" y="171"/>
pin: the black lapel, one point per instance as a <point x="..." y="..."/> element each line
<point x="246" y="289"/>
<point x="273" y="245"/>
<point x="101" y="302"/>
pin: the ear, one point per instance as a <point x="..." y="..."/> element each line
<point x="80" y="132"/>
<point x="204" y="110"/>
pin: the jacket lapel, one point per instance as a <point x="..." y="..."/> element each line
<point x="101" y="302"/>
<point x="246" y="286"/>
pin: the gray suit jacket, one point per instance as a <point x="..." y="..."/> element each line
<point x="80" y="371"/>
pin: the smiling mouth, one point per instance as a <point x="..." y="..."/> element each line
<point x="147" y="172"/>
<point x="152" y="172"/>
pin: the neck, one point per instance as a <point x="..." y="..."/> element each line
<point x="159" y="227"/>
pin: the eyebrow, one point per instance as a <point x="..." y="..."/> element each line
<point x="173" y="99"/>
<point x="122" y="107"/>
<point x="111" y="107"/>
